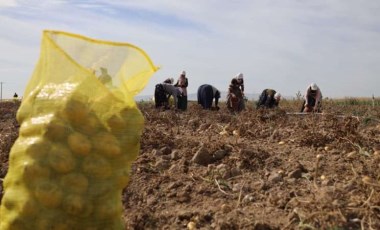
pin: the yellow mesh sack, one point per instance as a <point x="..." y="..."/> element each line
<point x="79" y="132"/>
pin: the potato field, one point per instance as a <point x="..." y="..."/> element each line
<point x="259" y="169"/>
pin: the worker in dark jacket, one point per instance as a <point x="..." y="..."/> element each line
<point x="161" y="96"/>
<point x="235" y="100"/>
<point x="269" y="98"/>
<point x="206" y="94"/>
<point x="169" y="80"/>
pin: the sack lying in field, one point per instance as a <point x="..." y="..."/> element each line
<point x="78" y="136"/>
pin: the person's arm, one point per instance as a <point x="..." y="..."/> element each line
<point x="307" y="97"/>
<point x="217" y="95"/>
<point x="275" y="103"/>
<point x="317" y="98"/>
<point x="230" y="91"/>
<point x="186" y="83"/>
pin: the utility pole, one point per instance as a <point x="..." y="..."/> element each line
<point x="373" y="100"/>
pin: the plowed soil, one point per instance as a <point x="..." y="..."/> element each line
<point x="254" y="170"/>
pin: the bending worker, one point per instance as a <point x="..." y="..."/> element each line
<point x="162" y="93"/>
<point x="269" y="98"/>
<point x="206" y="94"/>
<point x="313" y="99"/>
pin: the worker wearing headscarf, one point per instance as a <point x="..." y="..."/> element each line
<point x="182" y="84"/>
<point x="235" y="100"/>
<point x="240" y="80"/>
<point x="269" y="98"/>
<point x="313" y="99"/>
<point x="169" y="80"/>
<point x="162" y="93"/>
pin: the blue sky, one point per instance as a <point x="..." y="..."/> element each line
<point x="279" y="44"/>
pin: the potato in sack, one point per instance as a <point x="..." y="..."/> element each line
<point x="79" y="134"/>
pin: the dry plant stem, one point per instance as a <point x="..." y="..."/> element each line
<point x="289" y="224"/>
<point x="375" y="207"/>
<point x="367" y="202"/>
<point x="239" y="199"/>
<point x="372" y="184"/>
<point x="147" y="116"/>
<point x="362" y="223"/>
<point x="306" y="226"/>
<point x="342" y="216"/>
<point x="352" y="143"/>
<point x="235" y="177"/>
<point x="370" y="223"/>
<point x="316" y="172"/>
<point x="353" y="170"/>
<point x="204" y="179"/>
<point x="192" y="177"/>
<point x="220" y="189"/>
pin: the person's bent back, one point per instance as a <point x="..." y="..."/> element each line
<point x="206" y="94"/>
<point x="173" y="91"/>
<point x="313" y="99"/>
<point x="269" y="98"/>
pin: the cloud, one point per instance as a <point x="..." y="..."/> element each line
<point x="8" y="3"/>
<point x="277" y="44"/>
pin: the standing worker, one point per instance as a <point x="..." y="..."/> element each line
<point x="235" y="101"/>
<point x="240" y="80"/>
<point x="182" y="84"/>
<point x="15" y="97"/>
<point x="313" y="99"/>
<point x="206" y="94"/>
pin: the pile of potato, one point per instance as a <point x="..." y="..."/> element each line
<point x="70" y="163"/>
